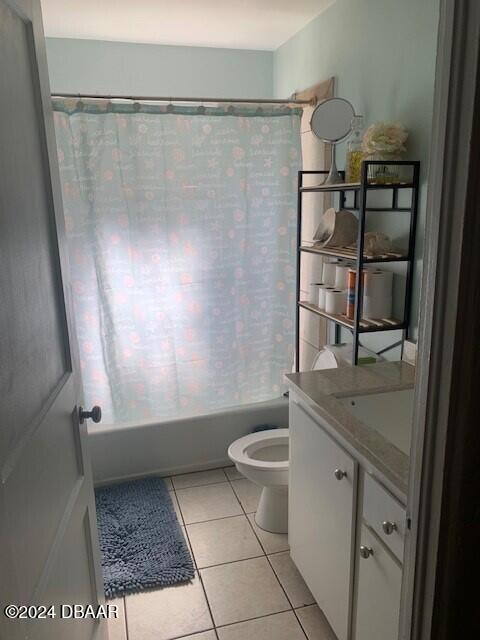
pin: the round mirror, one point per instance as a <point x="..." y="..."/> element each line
<point x="332" y="120"/>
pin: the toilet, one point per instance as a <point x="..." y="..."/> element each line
<point x="263" y="458"/>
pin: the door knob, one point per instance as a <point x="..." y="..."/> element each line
<point x="95" y="414"/>
<point x="389" y="527"/>
<point x="339" y="474"/>
<point x="366" y="552"/>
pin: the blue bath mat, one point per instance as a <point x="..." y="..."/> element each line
<point x="141" y="542"/>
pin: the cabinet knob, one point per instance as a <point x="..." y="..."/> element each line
<point x="366" y="552"/>
<point x="389" y="527"/>
<point x="339" y="474"/>
<point x="95" y="414"/>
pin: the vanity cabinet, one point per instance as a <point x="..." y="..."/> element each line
<point x="322" y="502"/>
<point x="378" y="590"/>
<point x="346" y="530"/>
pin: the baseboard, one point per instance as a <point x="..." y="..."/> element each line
<point x="165" y="473"/>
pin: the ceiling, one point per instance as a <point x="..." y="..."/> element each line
<point x="237" y="24"/>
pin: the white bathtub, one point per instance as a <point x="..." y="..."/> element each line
<point x="177" y="446"/>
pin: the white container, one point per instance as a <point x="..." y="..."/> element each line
<point x="313" y="292"/>
<point x="377" y="308"/>
<point x="377" y="284"/>
<point x="321" y="295"/>
<point x="336" y="301"/>
<point x="328" y="273"/>
<point x="337" y="228"/>
<point x="341" y="276"/>
<point x="340" y="355"/>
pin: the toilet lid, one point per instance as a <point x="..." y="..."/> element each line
<point x="246" y="450"/>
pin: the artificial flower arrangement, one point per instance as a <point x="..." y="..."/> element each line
<point x="385" y="138"/>
<point x="384" y="141"/>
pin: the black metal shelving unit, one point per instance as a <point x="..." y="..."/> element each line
<point x="359" y="194"/>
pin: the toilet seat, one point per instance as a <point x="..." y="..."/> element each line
<point x="268" y="472"/>
<point x="243" y="450"/>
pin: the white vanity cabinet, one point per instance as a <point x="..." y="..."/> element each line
<point x="322" y="501"/>
<point x="346" y="530"/>
<point x="378" y="590"/>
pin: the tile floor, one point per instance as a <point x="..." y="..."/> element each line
<point x="245" y="587"/>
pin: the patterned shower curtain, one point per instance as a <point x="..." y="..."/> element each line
<point x="181" y="231"/>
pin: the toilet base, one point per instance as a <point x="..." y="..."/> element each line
<point x="272" y="511"/>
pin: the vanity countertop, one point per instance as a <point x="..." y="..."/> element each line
<point x="321" y="391"/>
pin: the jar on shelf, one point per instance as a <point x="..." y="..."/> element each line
<point x="383" y="173"/>
<point x="384" y="143"/>
<point x="355" y="154"/>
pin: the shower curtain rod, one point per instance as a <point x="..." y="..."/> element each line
<point x="193" y="100"/>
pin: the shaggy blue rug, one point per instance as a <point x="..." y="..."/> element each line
<point x="141" y="541"/>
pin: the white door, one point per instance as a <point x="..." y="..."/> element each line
<point x="378" y="591"/>
<point x="322" y="493"/>
<point x="48" y="541"/>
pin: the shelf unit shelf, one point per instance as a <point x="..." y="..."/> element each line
<point x="366" y="326"/>
<point x="351" y="254"/>
<point x="325" y="188"/>
<point x="359" y="325"/>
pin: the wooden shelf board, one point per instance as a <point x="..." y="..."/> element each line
<point x="348" y="253"/>
<point x="380" y="209"/>
<point x="356" y="187"/>
<point x="366" y="326"/>
<point x="333" y="187"/>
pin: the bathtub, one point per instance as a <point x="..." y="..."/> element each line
<point x="120" y="452"/>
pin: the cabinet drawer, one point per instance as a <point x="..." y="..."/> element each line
<point x="378" y="590"/>
<point x="384" y="515"/>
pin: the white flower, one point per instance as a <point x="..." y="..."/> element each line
<point x="387" y="137"/>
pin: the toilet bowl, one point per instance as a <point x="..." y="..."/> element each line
<point x="263" y="458"/>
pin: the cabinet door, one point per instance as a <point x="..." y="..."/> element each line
<point x="378" y="592"/>
<point x="321" y="516"/>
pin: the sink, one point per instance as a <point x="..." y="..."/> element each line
<point x="389" y="413"/>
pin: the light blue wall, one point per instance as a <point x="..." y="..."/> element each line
<point x="382" y="54"/>
<point x="93" y="66"/>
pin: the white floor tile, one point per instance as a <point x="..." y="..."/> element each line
<point x="207" y="635"/>
<point x="208" y="503"/>
<point x="243" y="590"/>
<point x="176" y="507"/>
<point x="315" y="624"/>
<point x="271" y="542"/>
<point x="168" y="483"/>
<point x="117" y="626"/>
<point x="221" y="541"/>
<point x="248" y="493"/>
<point x="281" y="626"/>
<point x="297" y="591"/>
<point x="233" y="473"/>
<point x="199" y="478"/>
<point x="168" y="613"/>
<point x="188" y="543"/>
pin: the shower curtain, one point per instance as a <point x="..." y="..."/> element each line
<point x="181" y="227"/>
